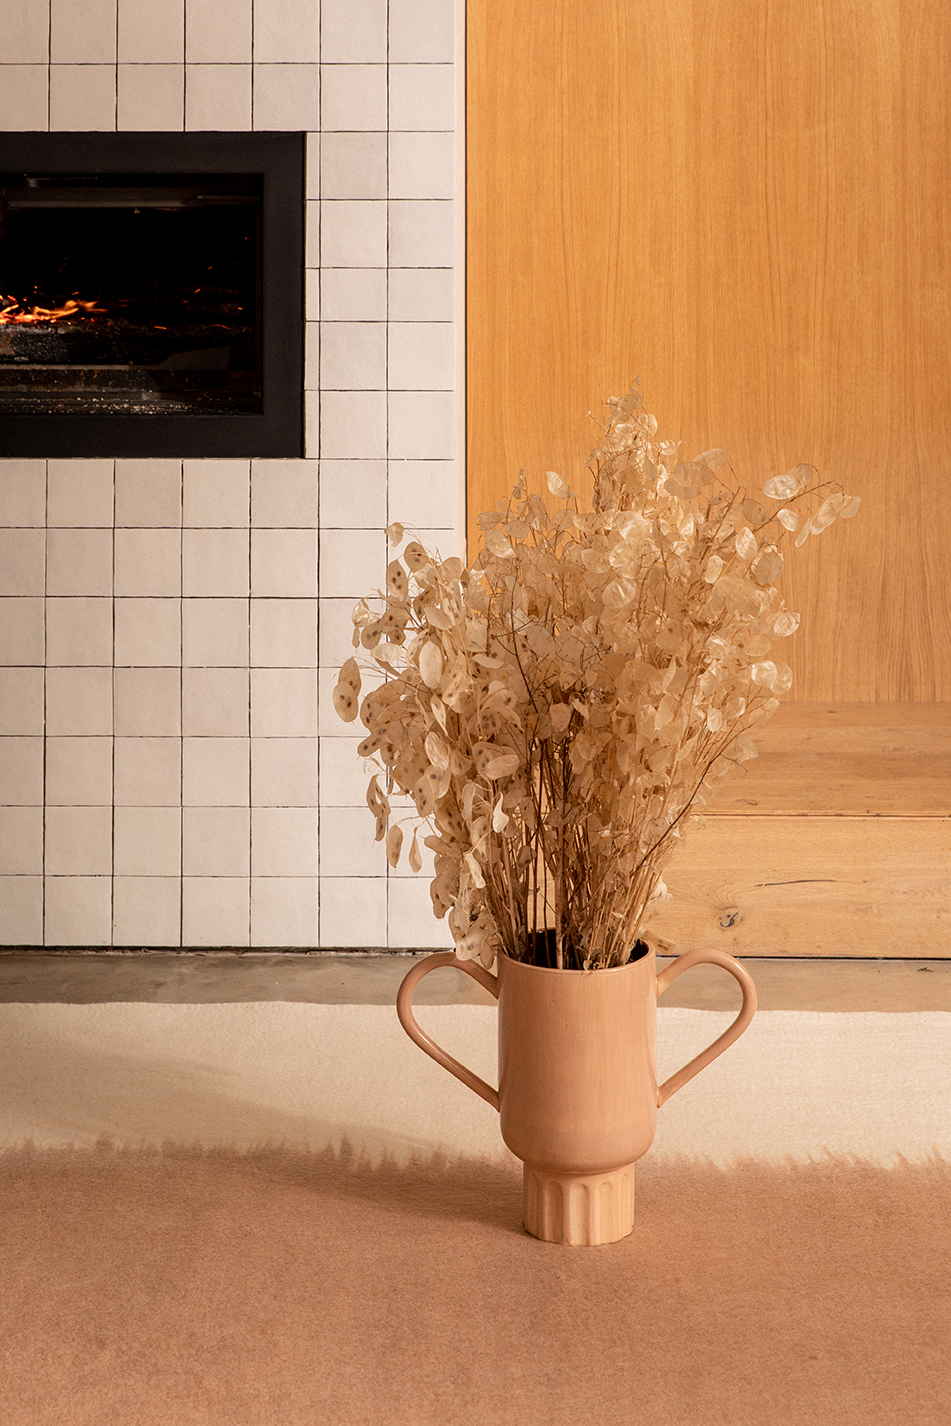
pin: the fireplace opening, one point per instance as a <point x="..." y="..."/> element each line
<point x="151" y="307"/>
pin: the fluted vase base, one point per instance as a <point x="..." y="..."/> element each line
<point x="579" y="1209"/>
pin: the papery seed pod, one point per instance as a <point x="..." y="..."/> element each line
<point x="394" y="842"/>
<point x="430" y="664"/>
<point x="394" y="532"/>
<point x="415" y="556"/>
<point x="784" y="487"/>
<point x="397" y="582"/>
<point x="415" y="860"/>
<point x="558" y="487"/>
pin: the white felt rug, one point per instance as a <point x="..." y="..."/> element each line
<point x="796" y="1085"/>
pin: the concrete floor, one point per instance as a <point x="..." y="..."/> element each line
<point x="332" y="978"/>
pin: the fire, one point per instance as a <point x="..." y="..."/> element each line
<point x="14" y="313"/>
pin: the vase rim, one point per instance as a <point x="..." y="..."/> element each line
<point x="595" y="970"/>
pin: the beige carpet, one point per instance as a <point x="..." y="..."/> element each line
<point x="284" y="1213"/>
<point x="286" y="1289"/>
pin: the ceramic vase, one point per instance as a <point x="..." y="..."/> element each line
<point x="578" y="1093"/>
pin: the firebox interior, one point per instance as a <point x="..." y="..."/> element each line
<point x="151" y="312"/>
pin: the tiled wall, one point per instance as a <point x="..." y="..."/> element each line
<point x="171" y="771"/>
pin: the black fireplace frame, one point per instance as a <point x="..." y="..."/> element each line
<point x="278" y="430"/>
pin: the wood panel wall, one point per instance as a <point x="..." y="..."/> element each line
<point x="748" y="207"/>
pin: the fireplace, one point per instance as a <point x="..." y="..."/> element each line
<point x="151" y="294"/>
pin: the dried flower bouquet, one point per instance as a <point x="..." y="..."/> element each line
<point x="554" y="711"/>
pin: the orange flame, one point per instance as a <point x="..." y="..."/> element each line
<point x="15" y="314"/>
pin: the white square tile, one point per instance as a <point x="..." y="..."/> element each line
<point x="286" y="30"/>
<point x="215" y="563"/>
<point x="426" y="294"/>
<point x="151" y="96"/>
<point x="422" y="31"/>
<point x="312" y="234"/>
<point x="23" y="492"/>
<point x="24" y="97"/>
<point x="215" y="702"/>
<point x="353" y="356"/>
<point x="422" y="233"/>
<point x="283" y="772"/>
<point x="284" y="911"/>
<point x="283" y="703"/>
<point x="151" y="31"/>
<point x="352" y="233"/>
<point x="216" y="911"/>
<point x="148" y="562"/>
<point x="21" y="911"/>
<point x="149" y="494"/>
<point x="148" y="841"/>
<point x="353" y="166"/>
<point x="347" y="847"/>
<point x="353" y="37"/>
<point x="78" y="911"/>
<point x="216" y="494"/>
<point x="79" y="772"/>
<point x="83" y="34"/>
<point x="21" y="841"/>
<point x="312" y="424"/>
<point x="24" y="32"/>
<point x="22" y="638"/>
<point x="352" y="912"/>
<point x="352" y="97"/>
<point x="353" y="294"/>
<point x="78" y="841"/>
<point x="78" y="631"/>
<point x="284" y="633"/>
<point x="311" y="351"/>
<point x="284" y="841"/>
<point x="353" y="425"/>
<point x="411" y="924"/>
<point x="148" y="633"/>
<point x="421" y="356"/>
<point x="218" y="96"/>
<point x="21" y="771"/>
<point x="21" y="561"/>
<point x="344" y="776"/>
<point x="216" y="772"/>
<point x="148" y="702"/>
<point x="422" y="491"/>
<point x="421" y="425"/>
<point x="79" y="702"/>
<point x="286" y="96"/>
<point x="312" y="294"/>
<point x="78" y="561"/>
<point x="215" y="633"/>
<point x="218" y="32"/>
<point x="216" y="841"/>
<point x="352" y="492"/>
<point x="83" y="97"/>
<point x="284" y="493"/>
<point x="352" y="562"/>
<point x="334" y="632"/>
<point x="422" y="97"/>
<point x="147" y="911"/>
<point x="148" y="772"/>
<point x="284" y="563"/>
<point x="422" y="165"/>
<point x="312" y="164"/>
<point x="21" y="700"/>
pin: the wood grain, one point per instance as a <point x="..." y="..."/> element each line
<point x="809" y="886"/>
<point x="748" y="207"/>
<point x="826" y="760"/>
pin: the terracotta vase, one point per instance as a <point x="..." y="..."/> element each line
<point x="578" y="1093"/>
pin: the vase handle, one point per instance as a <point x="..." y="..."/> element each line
<point x="404" y="1009"/>
<point x="733" y="1032"/>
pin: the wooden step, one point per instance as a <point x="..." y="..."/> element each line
<point x="836" y="841"/>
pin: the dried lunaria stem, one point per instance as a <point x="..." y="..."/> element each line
<point x="554" y="711"/>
